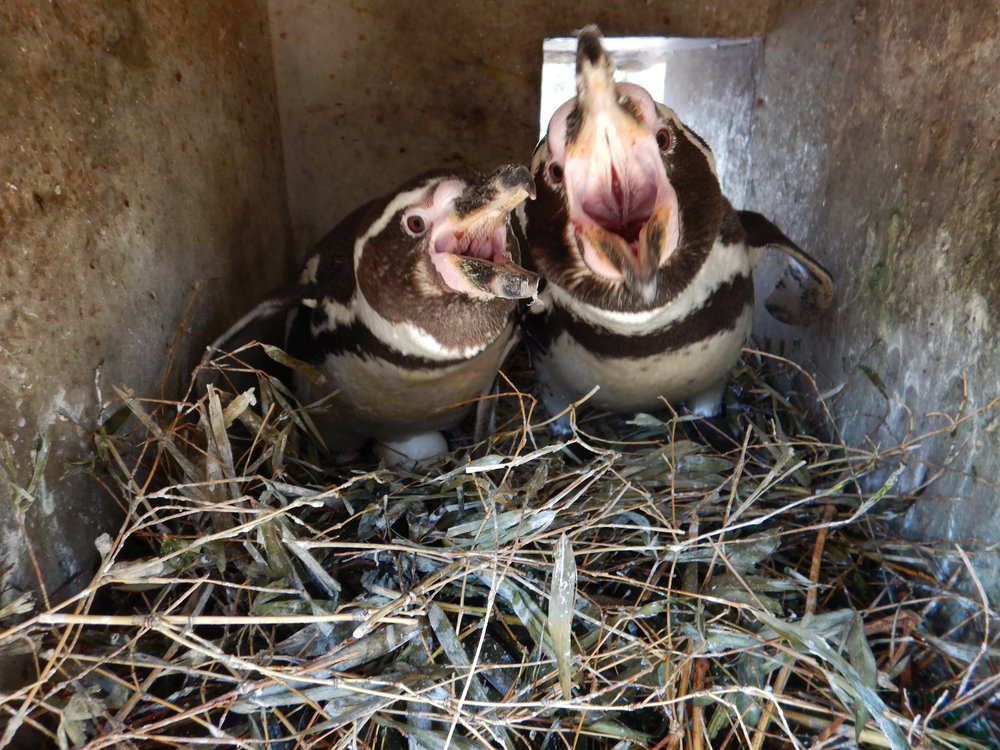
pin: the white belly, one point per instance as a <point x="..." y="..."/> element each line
<point x="640" y="384"/>
<point x="377" y="399"/>
<point x="690" y="373"/>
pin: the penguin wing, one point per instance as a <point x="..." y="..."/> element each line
<point x="278" y="301"/>
<point x="805" y="289"/>
<point x="261" y="324"/>
<point x="329" y="271"/>
<point x="327" y="275"/>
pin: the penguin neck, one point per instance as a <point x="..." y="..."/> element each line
<point x="440" y="327"/>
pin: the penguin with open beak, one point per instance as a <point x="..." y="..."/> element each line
<point x="406" y="310"/>
<point x="646" y="267"/>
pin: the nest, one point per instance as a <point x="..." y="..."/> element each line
<point x="633" y="587"/>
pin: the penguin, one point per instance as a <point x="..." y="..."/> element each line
<point x="406" y="310"/>
<point x="647" y="269"/>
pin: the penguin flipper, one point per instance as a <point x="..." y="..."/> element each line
<point x="805" y="289"/>
<point x="260" y="324"/>
<point x="279" y="301"/>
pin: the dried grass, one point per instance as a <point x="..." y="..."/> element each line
<point x="631" y="588"/>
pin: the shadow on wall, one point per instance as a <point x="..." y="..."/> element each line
<point x="142" y="162"/>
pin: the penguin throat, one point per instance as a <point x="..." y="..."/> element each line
<point x="622" y="208"/>
<point x="619" y="204"/>
<point x="487" y="243"/>
<point x="624" y="215"/>
<point x="614" y="176"/>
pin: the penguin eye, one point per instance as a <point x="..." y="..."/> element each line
<point x="663" y="139"/>
<point x="415" y="225"/>
<point x="555" y="173"/>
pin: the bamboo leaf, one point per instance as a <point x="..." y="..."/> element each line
<point x="562" y="602"/>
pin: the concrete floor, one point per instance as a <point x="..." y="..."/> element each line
<point x="143" y="162"/>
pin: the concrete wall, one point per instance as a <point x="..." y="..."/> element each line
<point x="875" y="144"/>
<point x="139" y="159"/>
<point x="375" y="94"/>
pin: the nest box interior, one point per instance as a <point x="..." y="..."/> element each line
<point x="166" y="164"/>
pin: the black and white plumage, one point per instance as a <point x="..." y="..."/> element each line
<point x="647" y="268"/>
<point x="406" y="308"/>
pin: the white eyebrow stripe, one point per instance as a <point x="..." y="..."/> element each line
<point x="394" y="206"/>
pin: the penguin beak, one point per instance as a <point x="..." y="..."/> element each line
<point x="474" y="250"/>
<point x="621" y="205"/>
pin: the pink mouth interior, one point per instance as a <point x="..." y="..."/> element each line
<point x="484" y="244"/>
<point x="621" y="207"/>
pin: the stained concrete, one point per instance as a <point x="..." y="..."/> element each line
<point x="142" y="206"/>
<point x="875" y="144"/>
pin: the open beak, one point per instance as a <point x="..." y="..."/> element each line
<point x="621" y="204"/>
<point x="473" y="250"/>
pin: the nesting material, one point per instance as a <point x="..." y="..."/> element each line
<point x="633" y="588"/>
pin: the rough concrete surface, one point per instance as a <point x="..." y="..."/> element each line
<point x="875" y="144"/>
<point x="140" y="159"/>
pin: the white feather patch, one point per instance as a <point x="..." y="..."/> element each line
<point x="408" y="338"/>
<point x="337" y="315"/>
<point x="637" y="384"/>
<point x="397" y="204"/>
<point x="404" y="337"/>
<point x="723" y="264"/>
<point x="308" y="275"/>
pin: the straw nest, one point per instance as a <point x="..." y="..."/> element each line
<point x="632" y="588"/>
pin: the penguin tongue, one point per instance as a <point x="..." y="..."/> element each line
<point x="620" y="208"/>
<point x="638" y="261"/>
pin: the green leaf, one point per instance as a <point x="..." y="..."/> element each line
<point x="845" y="680"/>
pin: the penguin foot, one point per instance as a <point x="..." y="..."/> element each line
<point x="708" y="403"/>
<point x="561" y="427"/>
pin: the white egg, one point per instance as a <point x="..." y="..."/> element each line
<point x="406" y="453"/>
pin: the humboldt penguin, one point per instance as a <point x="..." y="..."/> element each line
<point x="647" y="268"/>
<point x="406" y="309"/>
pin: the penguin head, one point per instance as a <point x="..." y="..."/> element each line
<point x="623" y="179"/>
<point x="448" y="234"/>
